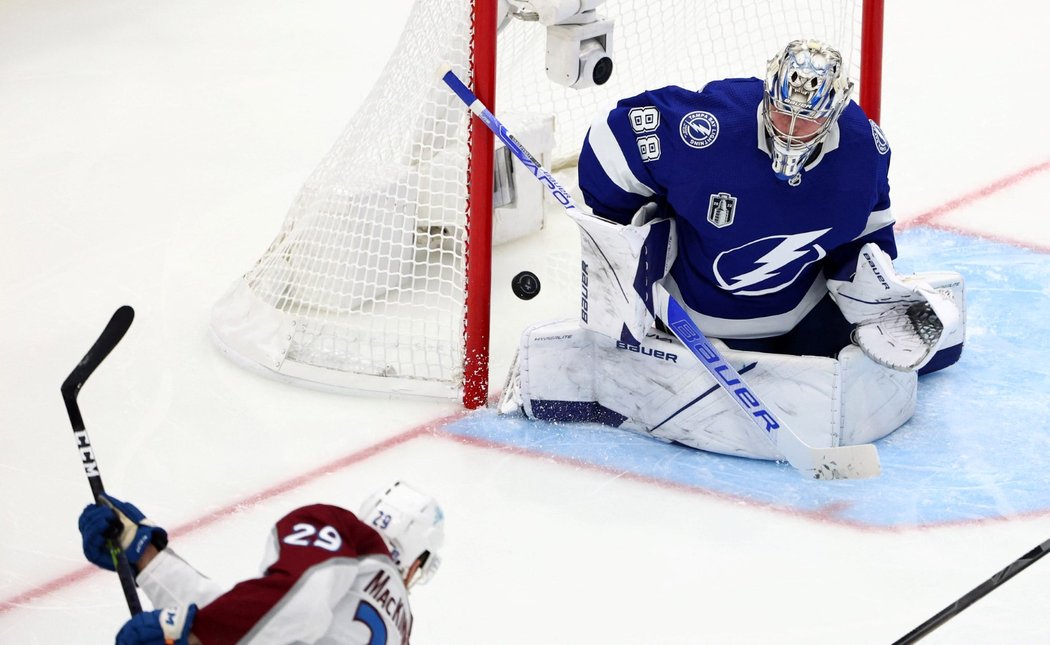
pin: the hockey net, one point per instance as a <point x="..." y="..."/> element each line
<point x="365" y="286"/>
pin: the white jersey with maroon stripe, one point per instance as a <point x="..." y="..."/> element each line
<point x="327" y="578"/>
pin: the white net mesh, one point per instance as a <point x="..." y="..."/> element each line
<point x="670" y="42"/>
<point x="363" y="288"/>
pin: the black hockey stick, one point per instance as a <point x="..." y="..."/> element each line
<point x="111" y="335"/>
<point x="975" y="594"/>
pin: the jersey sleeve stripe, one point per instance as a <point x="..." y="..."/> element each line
<point x="876" y="221"/>
<point x="609" y="154"/>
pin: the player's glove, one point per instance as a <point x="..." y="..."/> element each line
<point x="171" y="625"/>
<point x="901" y="321"/>
<point x="112" y="519"/>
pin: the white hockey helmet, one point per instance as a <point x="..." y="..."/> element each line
<point x="412" y="525"/>
<point x="805" y="93"/>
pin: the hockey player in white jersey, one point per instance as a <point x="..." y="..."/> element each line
<point x="328" y="575"/>
<point x="764" y="207"/>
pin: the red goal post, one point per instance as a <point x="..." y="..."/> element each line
<point x="379" y="279"/>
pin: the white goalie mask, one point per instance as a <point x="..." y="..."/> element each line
<point x="805" y="92"/>
<point x="412" y="525"/>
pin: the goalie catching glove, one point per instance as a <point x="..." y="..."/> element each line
<point x="901" y="321"/>
<point x="124" y="524"/>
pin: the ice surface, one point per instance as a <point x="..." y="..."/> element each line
<point x="148" y="152"/>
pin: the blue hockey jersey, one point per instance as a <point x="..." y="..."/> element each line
<point x="754" y="251"/>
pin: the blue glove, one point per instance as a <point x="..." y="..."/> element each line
<point x="125" y="525"/>
<point x="158" y="627"/>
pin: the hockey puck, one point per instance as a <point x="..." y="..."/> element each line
<point x="525" y="285"/>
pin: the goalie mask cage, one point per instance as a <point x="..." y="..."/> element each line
<point x="379" y="277"/>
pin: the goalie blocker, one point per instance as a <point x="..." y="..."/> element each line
<point x="613" y="367"/>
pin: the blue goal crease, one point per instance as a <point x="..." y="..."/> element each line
<point x="976" y="448"/>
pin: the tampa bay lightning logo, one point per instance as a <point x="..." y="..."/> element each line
<point x="881" y="144"/>
<point x="699" y="129"/>
<point x="769" y="264"/>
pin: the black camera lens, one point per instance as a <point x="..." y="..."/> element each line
<point x="602" y="71"/>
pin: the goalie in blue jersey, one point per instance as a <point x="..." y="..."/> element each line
<point x="764" y="207"/>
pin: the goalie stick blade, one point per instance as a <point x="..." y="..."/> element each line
<point x="116" y="328"/>
<point x="843" y="462"/>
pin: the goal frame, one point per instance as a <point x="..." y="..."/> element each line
<point x="380" y="278"/>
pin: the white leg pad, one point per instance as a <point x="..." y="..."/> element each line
<point x="570" y="373"/>
<point x="875" y="400"/>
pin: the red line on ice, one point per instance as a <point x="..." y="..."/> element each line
<point x="57" y="584"/>
<point x="928" y="218"/>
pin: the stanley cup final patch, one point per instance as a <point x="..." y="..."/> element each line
<point x="721" y="209"/>
<point x="699" y="129"/>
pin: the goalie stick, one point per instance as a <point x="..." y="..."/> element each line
<point x="116" y="328"/>
<point x="842" y="462"/>
<point x="975" y="594"/>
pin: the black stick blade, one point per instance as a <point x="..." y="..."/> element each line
<point x="116" y="328"/>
